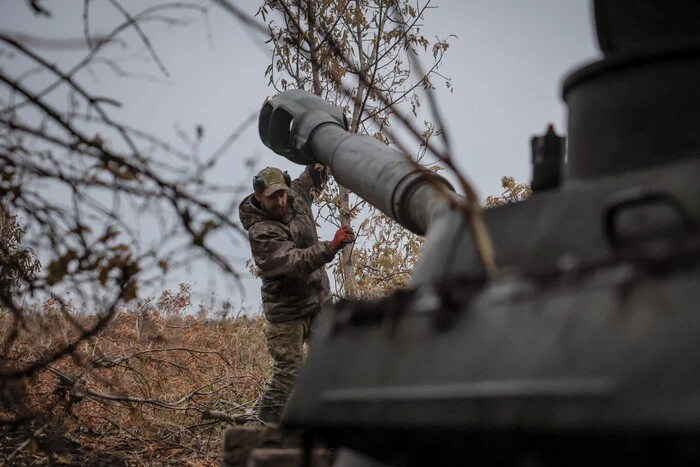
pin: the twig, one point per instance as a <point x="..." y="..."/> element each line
<point x="171" y="349"/>
<point x="26" y="443"/>
<point x="241" y="16"/>
<point x="237" y="419"/>
<point x="177" y="405"/>
<point x="32" y="368"/>
<point x="144" y="38"/>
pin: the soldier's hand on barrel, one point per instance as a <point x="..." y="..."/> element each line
<point x="343" y="236"/>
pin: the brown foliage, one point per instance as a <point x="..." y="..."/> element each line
<point x="513" y="192"/>
<point x="17" y="263"/>
<point x="385" y="262"/>
<point x="82" y="182"/>
<point x="154" y="379"/>
<point x="363" y="57"/>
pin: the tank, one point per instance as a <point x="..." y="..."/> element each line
<point x="584" y="347"/>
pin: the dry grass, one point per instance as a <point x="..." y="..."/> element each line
<point x="142" y="392"/>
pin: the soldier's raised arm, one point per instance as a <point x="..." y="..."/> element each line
<point x="313" y="177"/>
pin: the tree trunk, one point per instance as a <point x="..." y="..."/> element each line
<point x="344" y="208"/>
<point x="346" y="258"/>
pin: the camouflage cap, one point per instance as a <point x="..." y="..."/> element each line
<point x="273" y="178"/>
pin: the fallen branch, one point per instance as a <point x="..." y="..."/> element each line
<point x="21" y="447"/>
<point x="237" y="419"/>
<point x="85" y="391"/>
<point x="171" y="349"/>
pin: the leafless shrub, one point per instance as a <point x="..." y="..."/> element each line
<point x="79" y="180"/>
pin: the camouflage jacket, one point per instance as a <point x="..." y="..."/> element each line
<point x="290" y="258"/>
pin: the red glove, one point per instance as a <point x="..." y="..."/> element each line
<point x="343" y="236"/>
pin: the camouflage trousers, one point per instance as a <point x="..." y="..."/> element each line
<point x="285" y="342"/>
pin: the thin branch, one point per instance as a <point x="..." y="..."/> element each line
<point x="26" y="443"/>
<point x="85" y="391"/>
<point x="241" y="16"/>
<point x="67" y="349"/>
<point x="236" y="419"/>
<point x="144" y="38"/>
<point x="103" y="41"/>
<point x="86" y="23"/>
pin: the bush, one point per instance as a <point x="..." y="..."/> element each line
<point x="156" y="385"/>
<point x="18" y="265"/>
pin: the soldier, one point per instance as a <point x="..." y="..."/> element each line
<point x="291" y="262"/>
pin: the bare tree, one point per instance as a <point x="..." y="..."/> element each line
<point x="79" y="179"/>
<point x="363" y="57"/>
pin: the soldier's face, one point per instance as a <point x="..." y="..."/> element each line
<point x="275" y="204"/>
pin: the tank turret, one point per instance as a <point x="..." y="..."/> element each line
<point x="584" y="348"/>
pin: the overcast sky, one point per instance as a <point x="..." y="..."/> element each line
<point x="507" y="64"/>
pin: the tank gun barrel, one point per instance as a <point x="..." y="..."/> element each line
<point x="306" y="129"/>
